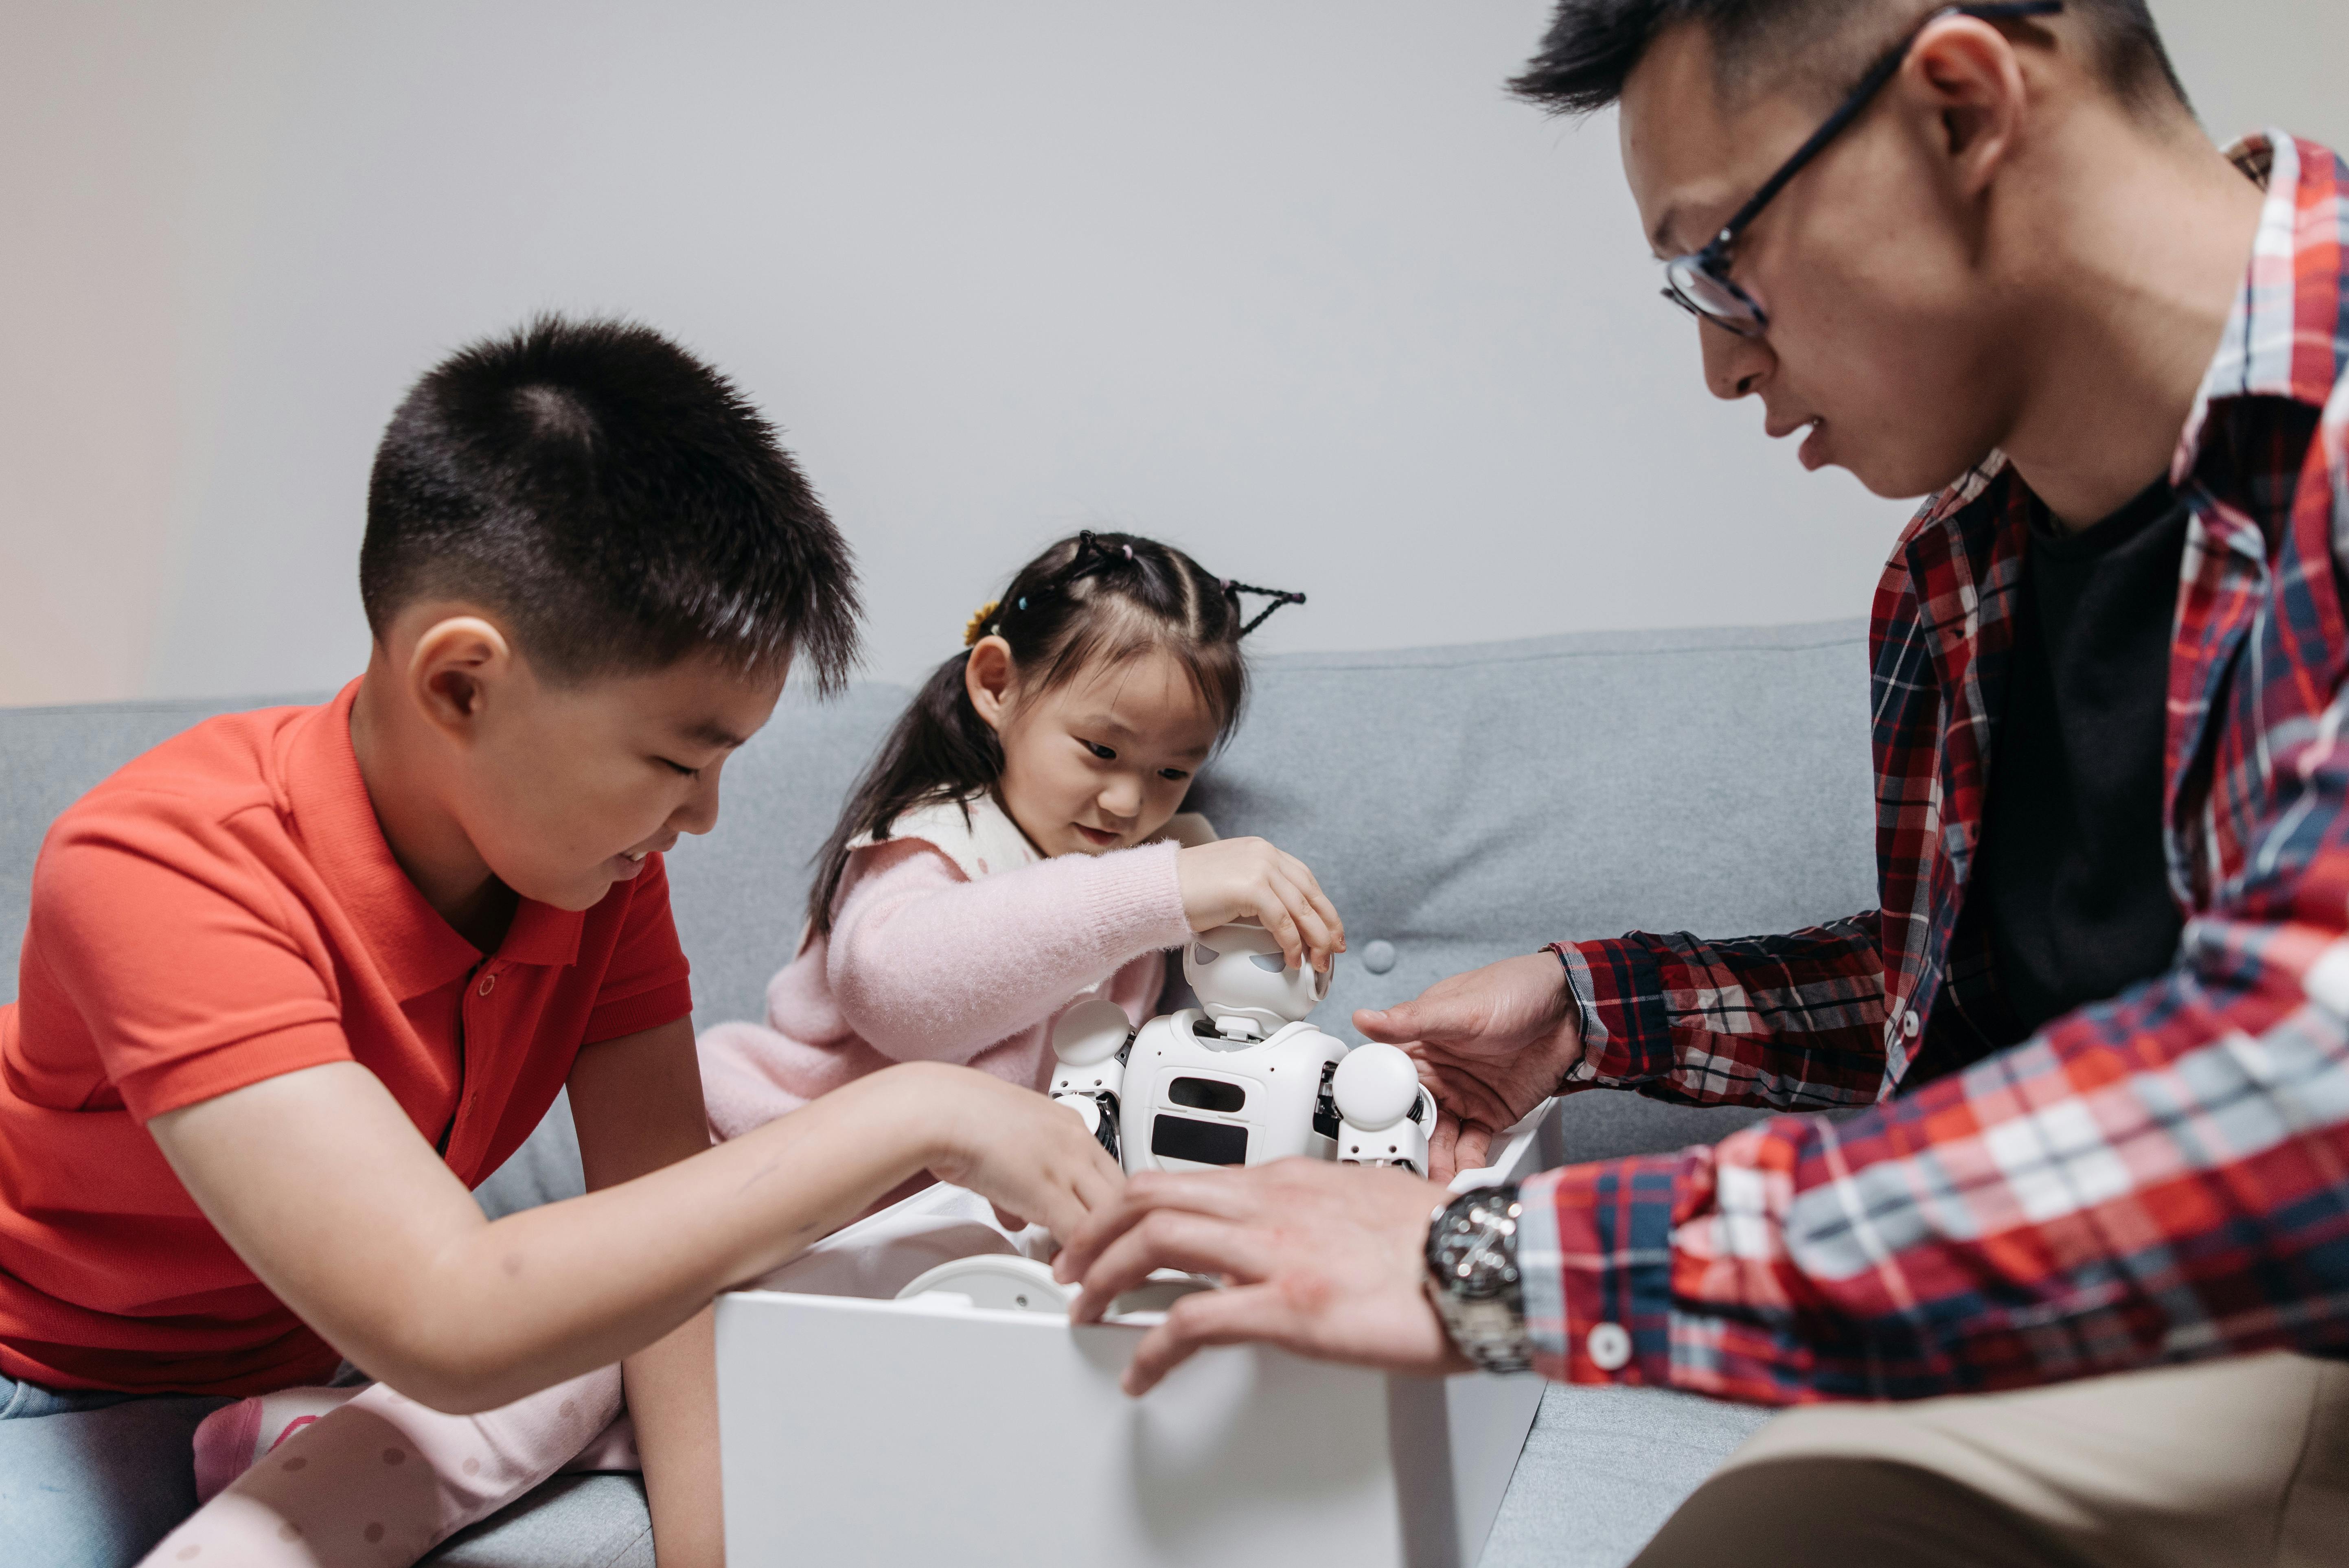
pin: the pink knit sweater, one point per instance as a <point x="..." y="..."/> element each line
<point x="927" y="963"/>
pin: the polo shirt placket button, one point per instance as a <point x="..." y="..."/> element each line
<point x="489" y="982"/>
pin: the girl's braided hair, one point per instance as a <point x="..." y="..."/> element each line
<point x="1106" y="597"/>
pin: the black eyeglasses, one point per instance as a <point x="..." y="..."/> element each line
<point x="1700" y="284"/>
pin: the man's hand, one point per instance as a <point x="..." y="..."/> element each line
<point x="1324" y="1260"/>
<point x="1490" y="1043"/>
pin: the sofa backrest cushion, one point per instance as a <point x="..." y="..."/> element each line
<point x="1459" y="804"/>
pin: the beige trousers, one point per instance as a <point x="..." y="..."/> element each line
<point x="2241" y="1461"/>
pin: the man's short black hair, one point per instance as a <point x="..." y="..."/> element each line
<point x="1593" y="46"/>
<point x="615" y="501"/>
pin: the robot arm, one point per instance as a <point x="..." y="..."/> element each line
<point x="1092" y="1040"/>
<point x="1384" y="1111"/>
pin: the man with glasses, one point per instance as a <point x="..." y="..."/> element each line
<point x="2070" y="1289"/>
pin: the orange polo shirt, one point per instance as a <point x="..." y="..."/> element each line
<point x="222" y="910"/>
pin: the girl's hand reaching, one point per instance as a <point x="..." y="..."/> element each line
<point x="1248" y="879"/>
<point x="1029" y="1156"/>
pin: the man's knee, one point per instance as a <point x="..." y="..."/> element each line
<point x="1851" y="1512"/>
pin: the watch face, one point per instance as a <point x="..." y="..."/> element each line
<point x="1471" y="1251"/>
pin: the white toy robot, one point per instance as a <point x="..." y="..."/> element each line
<point x="1243" y="1081"/>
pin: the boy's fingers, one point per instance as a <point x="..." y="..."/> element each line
<point x="1474" y="1150"/>
<point x="1098" y="1184"/>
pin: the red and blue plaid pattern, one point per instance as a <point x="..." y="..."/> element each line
<point x="2157" y="1178"/>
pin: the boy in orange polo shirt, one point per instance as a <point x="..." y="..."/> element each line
<point x="297" y="980"/>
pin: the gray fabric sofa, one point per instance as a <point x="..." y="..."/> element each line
<point x="1460" y="805"/>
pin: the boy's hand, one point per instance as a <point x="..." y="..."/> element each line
<point x="1325" y="1260"/>
<point x="1490" y="1043"/>
<point x="1029" y="1156"/>
<point x="1247" y="879"/>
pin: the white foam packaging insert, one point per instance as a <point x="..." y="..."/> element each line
<point x="928" y="1431"/>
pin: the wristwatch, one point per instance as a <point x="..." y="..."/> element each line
<point x="1472" y="1278"/>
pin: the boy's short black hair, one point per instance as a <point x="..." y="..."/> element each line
<point x="1593" y="46"/>
<point x="615" y="501"/>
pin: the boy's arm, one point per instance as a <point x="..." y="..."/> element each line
<point x="325" y="1188"/>
<point x="637" y="1104"/>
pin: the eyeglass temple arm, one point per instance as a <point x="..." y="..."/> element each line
<point x="1864" y="93"/>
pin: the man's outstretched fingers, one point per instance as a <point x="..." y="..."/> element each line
<point x="1225" y="1194"/>
<point x="1170" y="1238"/>
<point x="1228" y="1316"/>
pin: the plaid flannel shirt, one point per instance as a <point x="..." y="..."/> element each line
<point x="2157" y="1178"/>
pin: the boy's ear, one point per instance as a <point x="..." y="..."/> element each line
<point x="456" y="664"/>
<point x="986" y="675"/>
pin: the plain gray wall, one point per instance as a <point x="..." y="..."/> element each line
<point x="1288" y="280"/>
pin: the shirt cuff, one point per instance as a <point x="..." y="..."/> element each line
<point x="1626" y="1033"/>
<point x="191" y="1079"/>
<point x="634" y="1015"/>
<point x="1595" y="1265"/>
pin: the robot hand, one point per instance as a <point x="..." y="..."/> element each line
<point x="1091" y="1039"/>
<point x="1384" y="1111"/>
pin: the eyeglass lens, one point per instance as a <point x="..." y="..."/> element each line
<point x="1709" y="296"/>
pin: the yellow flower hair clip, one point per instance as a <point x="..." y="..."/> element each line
<point x="976" y="628"/>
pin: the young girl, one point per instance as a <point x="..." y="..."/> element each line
<point x="1014" y="846"/>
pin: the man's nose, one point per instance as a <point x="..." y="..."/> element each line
<point x="1734" y="367"/>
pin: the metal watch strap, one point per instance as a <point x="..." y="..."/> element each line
<point x="1478" y="1297"/>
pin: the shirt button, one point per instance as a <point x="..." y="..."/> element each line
<point x="1610" y="1347"/>
<point x="488" y="983"/>
<point x="1908" y="1025"/>
<point x="1379" y="957"/>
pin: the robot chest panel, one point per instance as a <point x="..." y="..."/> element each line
<point x="1193" y="1104"/>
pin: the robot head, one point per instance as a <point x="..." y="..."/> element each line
<point x="1245" y="985"/>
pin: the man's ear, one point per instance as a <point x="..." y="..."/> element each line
<point x="987" y="677"/>
<point x="458" y="663"/>
<point x="1967" y="75"/>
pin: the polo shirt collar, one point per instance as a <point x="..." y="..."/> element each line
<point x="334" y="821"/>
<point x="2267" y="351"/>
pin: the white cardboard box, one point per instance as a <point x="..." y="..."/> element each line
<point x="919" y="1433"/>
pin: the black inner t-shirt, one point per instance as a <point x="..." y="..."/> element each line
<point x="2071" y="880"/>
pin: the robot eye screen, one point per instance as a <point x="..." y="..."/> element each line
<point x="1208" y="1094"/>
<point x="1270" y="963"/>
